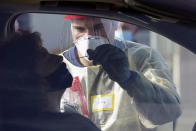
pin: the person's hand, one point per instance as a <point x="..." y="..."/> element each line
<point x="113" y="60"/>
<point x="60" y="79"/>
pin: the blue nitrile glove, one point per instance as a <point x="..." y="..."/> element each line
<point x="113" y="60"/>
<point x="60" y="79"/>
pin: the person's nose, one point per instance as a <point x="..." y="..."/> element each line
<point x="90" y="32"/>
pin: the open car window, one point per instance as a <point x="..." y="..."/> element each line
<point x="61" y="33"/>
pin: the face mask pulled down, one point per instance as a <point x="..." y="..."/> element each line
<point x="89" y="42"/>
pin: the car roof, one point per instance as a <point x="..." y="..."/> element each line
<point x="177" y="8"/>
<point x="173" y="19"/>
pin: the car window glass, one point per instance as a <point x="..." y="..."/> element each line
<point x="55" y="30"/>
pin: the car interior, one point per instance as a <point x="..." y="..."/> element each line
<point x="169" y="27"/>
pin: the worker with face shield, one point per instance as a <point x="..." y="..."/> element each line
<point x="119" y="85"/>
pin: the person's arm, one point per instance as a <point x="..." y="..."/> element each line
<point x="152" y="89"/>
<point x="148" y="81"/>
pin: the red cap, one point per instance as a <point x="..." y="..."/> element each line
<point x="73" y="16"/>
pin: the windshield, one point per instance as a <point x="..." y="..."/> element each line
<point x="125" y="77"/>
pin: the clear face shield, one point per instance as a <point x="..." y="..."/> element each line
<point x="91" y="32"/>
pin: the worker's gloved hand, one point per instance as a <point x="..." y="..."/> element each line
<point x="113" y="60"/>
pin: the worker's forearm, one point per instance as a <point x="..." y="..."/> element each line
<point x="155" y="103"/>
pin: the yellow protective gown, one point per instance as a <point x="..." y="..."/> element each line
<point x="148" y="101"/>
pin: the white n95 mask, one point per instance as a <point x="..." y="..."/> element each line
<point x="89" y="42"/>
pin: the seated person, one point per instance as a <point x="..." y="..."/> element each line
<point x="32" y="82"/>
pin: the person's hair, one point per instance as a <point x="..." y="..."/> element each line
<point x="18" y="48"/>
<point x="21" y="90"/>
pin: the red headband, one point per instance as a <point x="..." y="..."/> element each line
<point x="73" y="16"/>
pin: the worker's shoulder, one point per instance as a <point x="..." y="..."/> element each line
<point x="131" y="44"/>
<point x="135" y="48"/>
<point x="142" y="50"/>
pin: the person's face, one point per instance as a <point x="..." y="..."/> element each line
<point x="87" y="26"/>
